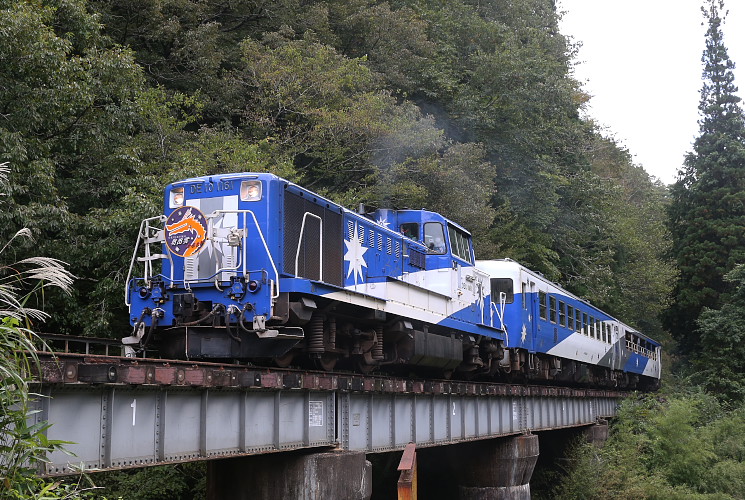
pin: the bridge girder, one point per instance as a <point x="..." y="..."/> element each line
<point x="166" y="412"/>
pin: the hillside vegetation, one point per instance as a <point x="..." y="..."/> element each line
<point x="467" y="108"/>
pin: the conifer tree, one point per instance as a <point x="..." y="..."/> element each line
<point x="707" y="211"/>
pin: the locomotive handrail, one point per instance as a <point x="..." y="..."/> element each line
<point x="500" y="314"/>
<point x="144" y="235"/>
<point x="320" y="244"/>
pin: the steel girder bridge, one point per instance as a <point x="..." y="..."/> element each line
<point x="123" y="412"/>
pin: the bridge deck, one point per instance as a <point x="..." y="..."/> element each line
<point x="123" y="412"/>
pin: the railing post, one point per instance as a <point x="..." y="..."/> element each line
<point x="407" y="478"/>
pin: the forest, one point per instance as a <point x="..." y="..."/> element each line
<point x="468" y="108"/>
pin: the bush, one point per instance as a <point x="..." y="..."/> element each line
<point x="681" y="446"/>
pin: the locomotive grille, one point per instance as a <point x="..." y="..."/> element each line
<point x="416" y="259"/>
<point x="295" y="207"/>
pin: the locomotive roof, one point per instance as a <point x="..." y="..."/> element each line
<point x="235" y="175"/>
<point x="243" y="175"/>
<point x="425" y="215"/>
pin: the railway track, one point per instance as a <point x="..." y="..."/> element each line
<point x="95" y="364"/>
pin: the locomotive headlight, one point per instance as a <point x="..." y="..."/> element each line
<point x="250" y="190"/>
<point x="177" y="197"/>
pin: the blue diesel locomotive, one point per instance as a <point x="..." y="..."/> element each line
<point x="253" y="267"/>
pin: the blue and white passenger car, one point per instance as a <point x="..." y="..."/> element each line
<point x="252" y="266"/>
<point x="542" y="319"/>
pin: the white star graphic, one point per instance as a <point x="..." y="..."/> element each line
<point x="383" y="221"/>
<point x="355" y="256"/>
<point x="523" y="334"/>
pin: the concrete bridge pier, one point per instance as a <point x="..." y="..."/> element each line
<point x="597" y="434"/>
<point x="497" y="469"/>
<point x="335" y="475"/>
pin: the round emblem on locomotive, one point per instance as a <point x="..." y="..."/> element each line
<point x="185" y="231"/>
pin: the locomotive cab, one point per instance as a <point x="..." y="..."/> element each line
<point x="444" y="242"/>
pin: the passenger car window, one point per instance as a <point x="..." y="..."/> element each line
<point x="585" y="325"/>
<point x="542" y="304"/>
<point x="552" y="312"/>
<point x="502" y="285"/>
<point x="570" y="317"/>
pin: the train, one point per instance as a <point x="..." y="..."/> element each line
<point x="250" y="267"/>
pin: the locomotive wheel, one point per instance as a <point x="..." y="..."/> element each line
<point x="326" y="361"/>
<point x="285" y="360"/>
<point x="364" y="366"/>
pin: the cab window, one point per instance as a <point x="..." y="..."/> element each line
<point x="434" y="237"/>
<point x="410" y="230"/>
<point x="460" y="244"/>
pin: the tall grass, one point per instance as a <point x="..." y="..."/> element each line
<point x="24" y="445"/>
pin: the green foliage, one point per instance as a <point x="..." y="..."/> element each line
<point x="634" y="214"/>
<point x="721" y="363"/>
<point x="172" y="482"/>
<point x="394" y="41"/>
<point x="68" y="99"/>
<point x="677" y="446"/>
